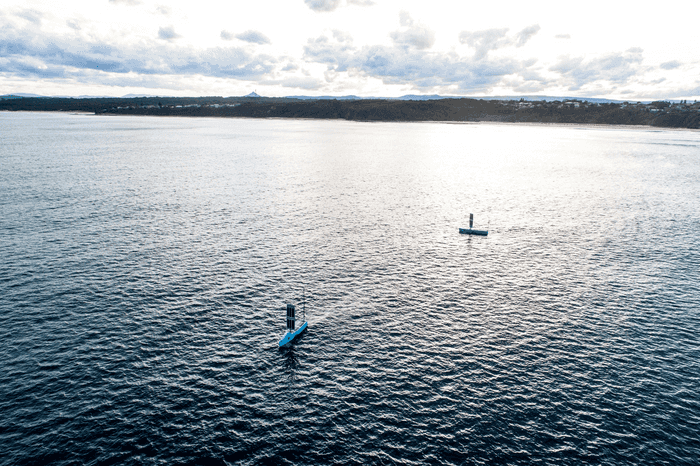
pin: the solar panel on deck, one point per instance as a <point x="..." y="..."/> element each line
<point x="290" y="316"/>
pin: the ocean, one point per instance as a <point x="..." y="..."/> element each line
<point x="147" y="263"/>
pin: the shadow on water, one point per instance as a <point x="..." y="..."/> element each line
<point x="291" y="361"/>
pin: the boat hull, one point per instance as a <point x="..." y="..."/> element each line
<point x="469" y="231"/>
<point x="289" y="337"/>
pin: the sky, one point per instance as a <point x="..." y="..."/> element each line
<point x="604" y="49"/>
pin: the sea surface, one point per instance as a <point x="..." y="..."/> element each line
<point x="145" y="266"/>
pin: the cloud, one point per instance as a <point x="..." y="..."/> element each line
<point x="528" y="79"/>
<point x="615" y="68"/>
<point x="683" y="92"/>
<point x="322" y="5"/>
<point x="334" y="54"/>
<point x="412" y="35"/>
<point x="301" y="82"/>
<point x="254" y="37"/>
<point x="33" y="16"/>
<point x="231" y="62"/>
<point x="411" y="66"/>
<point x="526" y="34"/>
<point x="29" y="53"/>
<point x="26" y="54"/>
<point x="73" y="24"/>
<point x="423" y="69"/>
<point x="342" y="36"/>
<point x="163" y="10"/>
<point x="168" y="33"/>
<point x="126" y="2"/>
<point x="493" y="39"/>
<point x="405" y="18"/>
<point x="671" y="65"/>
<point x="529" y="87"/>
<point x="485" y="41"/>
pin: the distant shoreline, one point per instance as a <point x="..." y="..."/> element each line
<point x="569" y="112"/>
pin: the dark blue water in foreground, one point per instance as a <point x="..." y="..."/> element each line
<point x="145" y="264"/>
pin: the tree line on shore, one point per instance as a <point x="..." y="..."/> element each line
<point x="661" y="114"/>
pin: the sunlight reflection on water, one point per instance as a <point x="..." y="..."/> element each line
<point x="147" y="263"/>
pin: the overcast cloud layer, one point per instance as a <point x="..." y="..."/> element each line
<point x="330" y="47"/>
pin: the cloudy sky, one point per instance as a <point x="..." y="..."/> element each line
<point x="622" y="50"/>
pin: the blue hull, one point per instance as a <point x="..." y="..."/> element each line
<point x="289" y="337"/>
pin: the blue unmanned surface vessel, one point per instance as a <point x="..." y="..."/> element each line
<point x="291" y="332"/>
<point x="470" y="231"/>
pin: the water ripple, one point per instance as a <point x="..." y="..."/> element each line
<point x="146" y="264"/>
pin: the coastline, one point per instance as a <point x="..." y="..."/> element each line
<point x="474" y="120"/>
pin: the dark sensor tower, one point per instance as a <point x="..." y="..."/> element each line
<point x="290" y="317"/>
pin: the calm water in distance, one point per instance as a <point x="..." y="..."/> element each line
<point x="146" y="263"/>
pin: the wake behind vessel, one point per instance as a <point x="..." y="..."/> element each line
<point x="291" y="332"/>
